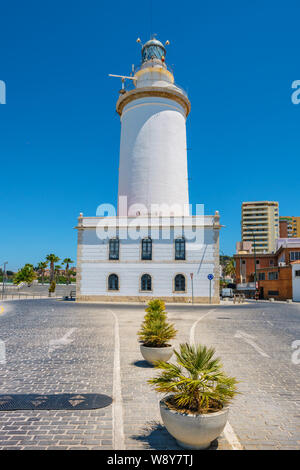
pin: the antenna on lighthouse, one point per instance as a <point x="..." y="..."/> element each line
<point x="123" y="79"/>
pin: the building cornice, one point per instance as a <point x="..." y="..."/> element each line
<point x="161" y="92"/>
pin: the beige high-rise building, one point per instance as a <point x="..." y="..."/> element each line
<point x="260" y="224"/>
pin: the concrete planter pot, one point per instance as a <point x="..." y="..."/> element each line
<point x="156" y="354"/>
<point x="193" y="431"/>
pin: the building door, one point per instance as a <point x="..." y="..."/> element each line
<point x="261" y="293"/>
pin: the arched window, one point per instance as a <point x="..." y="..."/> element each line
<point x="146" y="282"/>
<point x="147" y="248"/>
<point x="113" y="282"/>
<point x="180" y="248"/>
<point x="114" y="248"/>
<point x="179" y="283"/>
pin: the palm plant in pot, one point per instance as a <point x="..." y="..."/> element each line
<point x="198" y="392"/>
<point x="155" y="333"/>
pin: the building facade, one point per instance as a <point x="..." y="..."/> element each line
<point x="289" y="227"/>
<point x="152" y="246"/>
<point x="128" y="269"/>
<point x="275" y="282"/>
<point x="260" y="225"/>
<point x="274" y="271"/>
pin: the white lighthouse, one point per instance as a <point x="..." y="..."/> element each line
<point x="153" y="155"/>
<point x="152" y="246"/>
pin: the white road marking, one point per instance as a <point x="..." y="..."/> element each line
<point x="2" y="352"/>
<point x="232" y="438"/>
<point x="117" y="408"/>
<point x="229" y="433"/>
<point x="61" y="342"/>
<point x="250" y="340"/>
<point x="192" y="332"/>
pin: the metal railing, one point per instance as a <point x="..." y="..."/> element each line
<point x="19" y="296"/>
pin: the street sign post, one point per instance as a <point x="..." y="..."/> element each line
<point x="192" y="279"/>
<point x="210" y="278"/>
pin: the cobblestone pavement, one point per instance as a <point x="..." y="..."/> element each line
<point x="34" y="365"/>
<point x="57" y="347"/>
<point x="255" y="343"/>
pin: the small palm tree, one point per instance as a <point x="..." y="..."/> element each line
<point x="67" y="262"/>
<point x="41" y="269"/>
<point x="52" y="259"/>
<point x="156" y="309"/>
<point x="155" y="330"/>
<point x="197" y="383"/>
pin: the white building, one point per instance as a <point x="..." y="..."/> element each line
<point x="152" y="247"/>
<point x="296" y="280"/>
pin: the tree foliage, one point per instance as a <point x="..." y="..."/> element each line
<point x="197" y="382"/>
<point x="52" y="287"/>
<point x="52" y="258"/>
<point x="25" y="274"/>
<point x="229" y="269"/>
<point x="41" y="269"/>
<point x="155" y="330"/>
<point x="67" y="262"/>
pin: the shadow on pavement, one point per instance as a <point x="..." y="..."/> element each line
<point x="64" y="401"/>
<point x="156" y="436"/>
<point x="143" y="364"/>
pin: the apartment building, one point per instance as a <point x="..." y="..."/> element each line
<point x="260" y="225"/>
<point x="277" y="274"/>
<point x="289" y="227"/>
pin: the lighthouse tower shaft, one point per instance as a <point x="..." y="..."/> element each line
<point x="153" y="157"/>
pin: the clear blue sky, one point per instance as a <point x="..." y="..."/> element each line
<point x="59" y="132"/>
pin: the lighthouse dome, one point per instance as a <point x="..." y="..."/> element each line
<point x="153" y="49"/>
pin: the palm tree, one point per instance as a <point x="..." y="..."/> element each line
<point x="57" y="269"/>
<point x="230" y="269"/>
<point x="197" y="382"/>
<point x="67" y="262"/>
<point x="52" y="259"/>
<point x="42" y="265"/>
<point x="25" y="274"/>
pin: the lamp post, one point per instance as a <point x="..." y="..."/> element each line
<point x="254" y="247"/>
<point x="3" y="264"/>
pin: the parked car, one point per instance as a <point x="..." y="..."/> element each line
<point x="227" y="292"/>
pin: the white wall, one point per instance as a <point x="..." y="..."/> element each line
<point x="296" y="283"/>
<point x="95" y="266"/>
<point x="153" y="156"/>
